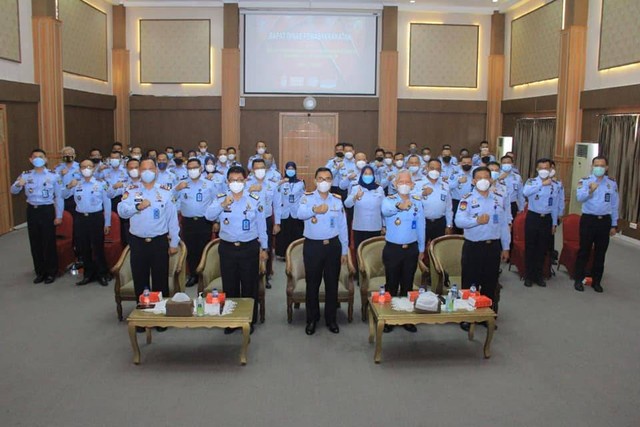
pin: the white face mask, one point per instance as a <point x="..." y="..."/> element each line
<point x="136" y="156"/>
<point x="260" y="173"/>
<point x="348" y="155"/>
<point x="134" y="173"/>
<point x="426" y="157"/>
<point x="543" y="173"/>
<point x="360" y="164"/>
<point x="399" y="163"/>
<point x="114" y="163"/>
<point x="236" y="187"/>
<point x="210" y="168"/>
<point x="414" y="169"/>
<point x="203" y="150"/>
<point x="433" y="174"/>
<point x="552" y="173"/>
<point x="483" y="184"/>
<point x="404" y="189"/>
<point x="222" y="158"/>
<point x="194" y="173"/>
<point x="323" y="186"/>
<point x="231" y="156"/>
<point x="261" y="150"/>
<point x="388" y="161"/>
<point x="86" y="172"/>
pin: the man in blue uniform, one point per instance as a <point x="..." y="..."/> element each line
<point x="599" y="197"/>
<point x="115" y="173"/>
<point x="483" y="157"/>
<point x="45" y="204"/>
<point x="513" y="182"/>
<point x="325" y="248"/>
<point x="203" y="152"/>
<point x="460" y="183"/>
<point x="68" y="170"/>
<point x="436" y="203"/>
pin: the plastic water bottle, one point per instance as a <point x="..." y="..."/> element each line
<point x="200" y="305"/>
<point x="381" y="295"/>
<point x="449" y="301"/>
<point x="472" y="291"/>
<point x="421" y="291"/>
<point x="146" y="296"/>
<point x="454" y="291"/>
<point x="214" y="293"/>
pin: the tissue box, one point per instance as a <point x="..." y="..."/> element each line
<point x="375" y="297"/>
<point x="413" y="295"/>
<point x="180" y="309"/>
<point x="480" y="301"/>
<point x="466" y="293"/>
<point x="153" y="297"/>
<point x="219" y="300"/>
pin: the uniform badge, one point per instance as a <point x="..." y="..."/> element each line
<point x="397" y="221"/>
<point x="226" y="221"/>
<point x="126" y="195"/>
<point x="463" y="206"/>
<point x="443" y="197"/>
<point x="260" y="208"/>
<point x="314" y="220"/>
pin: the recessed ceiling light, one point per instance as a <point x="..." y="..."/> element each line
<point x="412" y="1"/>
<point x="495" y="1"/>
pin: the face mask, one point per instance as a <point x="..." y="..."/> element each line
<point x="446" y="159"/>
<point x="388" y="161"/>
<point x="414" y="169"/>
<point x="236" y="187"/>
<point x="86" y="172"/>
<point x="412" y="150"/>
<point x="179" y="161"/>
<point x="426" y="157"/>
<point x="323" y="186"/>
<point x="67" y="159"/>
<point x="209" y="168"/>
<point x="95" y="161"/>
<point x="348" y="155"/>
<point x="114" y="163"/>
<point x="290" y="173"/>
<point x="203" y="150"/>
<point x="495" y="175"/>
<point x="483" y="184"/>
<point x="170" y="156"/>
<point x="360" y="164"/>
<point x="367" y="179"/>
<point x="433" y="174"/>
<point x="222" y="158"/>
<point x="486" y="159"/>
<point x="162" y="166"/>
<point x="379" y="158"/>
<point x="506" y="167"/>
<point x="38" y="162"/>
<point x="136" y="156"/>
<point x="260" y="173"/>
<point x="148" y="176"/>
<point x="194" y="173"/>
<point x="339" y="154"/>
<point x="261" y="150"/>
<point x="599" y="171"/>
<point x="134" y="173"/>
<point x="231" y="156"/>
<point x="543" y="173"/>
<point x="399" y="163"/>
<point x="552" y="173"/>
<point x="404" y="189"/>
<point x="466" y="168"/>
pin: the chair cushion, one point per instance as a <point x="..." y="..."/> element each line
<point x="376" y="282"/>
<point x="127" y="290"/>
<point x="301" y="289"/>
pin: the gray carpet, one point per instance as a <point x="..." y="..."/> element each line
<point x="560" y="358"/>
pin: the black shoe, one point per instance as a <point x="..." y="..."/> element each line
<point x="542" y="283"/>
<point x="578" y="287"/>
<point x="333" y="327"/>
<point x="528" y="283"/>
<point x="388" y="328"/>
<point x="140" y="329"/>
<point x="160" y="329"/>
<point x="410" y="328"/>
<point x="103" y="281"/>
<point x="251" y="330"/>
<point x="311" y="328"/>
<point x="193" y="280"/>
<point x="39" y="279"/>
<point x="465" y="326"/>
<point x="229" y="331"/>
<point x="596" y="287"/>
<point x="49" y="279"/>
<point x="268" y="285"/>
<point x="84" y="281"/>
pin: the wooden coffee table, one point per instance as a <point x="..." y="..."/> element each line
<point x="240" y="318"/>
<point x="383" y="314"/>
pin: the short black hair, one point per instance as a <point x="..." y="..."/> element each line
<point x="253" y="163"/>
<point x="347" y="144"/>
<point x="323" y="169"/>
<point x="466" y="156"/>
<point x="150" y="150"/>
<point x="435" y="160"/>
<point x="379" y="149"/>
<point x="117" y="152"/>
<point x="178" y="150"/>
<point x="493" y="163"/>
<point x="506" y="157"/>
<point x="168" y="147"/>
<point x="118" y="143"/>
<point x="132" y="160"/>
<point x="398" y="154"/>
<point x="149" y="159"/>
<point x="552" y="163"/>
<point x="95" y="149"/>
<point x="600" y="158"/>
<point x="480" y="169"/>
<point x="194" y="159"/>
<point x="446" y="146"/>
<point x="38" y="150"/>
<point x="339" y="144"/>
<point x="237" y="169"/>
<point x="543" y="160"/>
<point x="426" y="148"/>
<point x="388" y="152"/>
<point x="231" y="148"/>
<point x="484" y="142"/>
<point x="464" y="149"/>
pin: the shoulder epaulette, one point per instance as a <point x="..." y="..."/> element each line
<point x="165" y="187"/>
<point x="466" y="196"/>
<point x="132" y="186"/>
<point x="221" y="195"/>
<point x="416" y="197"/>
<point x="391" y="196"/>
<point x="611" y="179"/>
<point x="27" y="172"/>
<point x="336" y="196"/>
<point x="584" y="177"/>
<point x="254" y="196"/>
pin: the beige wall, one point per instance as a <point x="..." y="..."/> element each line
<point x="21" y="71"/>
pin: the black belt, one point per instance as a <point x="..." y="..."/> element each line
<point x="89" y="213"/>
<point x="39" y="206"/>
<point x="239" y="244"/>
<point x="324" y="242"/>
<point x="149" y="239"/>
<point x="434" y="220"/>
<point x="597" y="216"/>
<point x="481" y="242"/>
<point x="541" y="215"/>
<point x="194" y="218"/>
<point x="402" y="246"/>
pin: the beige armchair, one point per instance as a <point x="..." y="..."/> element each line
<point x="209" y="275"/>
<point x="297" y="287"/>
<point x="123" y="288"/>
<point x="445" y="255"/>
<point x="372" y="274"/>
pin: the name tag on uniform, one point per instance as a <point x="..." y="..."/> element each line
<point x="45" y="193"/>
<point x="550" y="201"/>
<point x="443" y="197"/>
<point x="332" y="223"/>
<point x="607" y="197"/>
<point x="199" y="197"/>
<point x="414" y="224"/>
<point x="496" y="218"/>
<point x="246" y="225"/>
<point x="291" y="198"/>
<point x="156" y="213"/>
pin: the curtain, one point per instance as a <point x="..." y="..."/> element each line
<point x="533" y="139"/>
<point x="619" y="142"/>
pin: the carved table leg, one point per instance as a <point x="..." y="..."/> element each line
<point x="379" y="329"/>
<point x="246" y="328"/>
<point x="134" y="343"/>
<point x="372" y="327"/>
<point x="148" y="333"/>
<point x="472" y="330"/>
<point x="491" y="326"/>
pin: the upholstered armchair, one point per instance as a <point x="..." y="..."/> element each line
<point x="445" y="256"/>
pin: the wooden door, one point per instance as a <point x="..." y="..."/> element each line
<point x="309" y="140"/>
<point x="6" y="213"/>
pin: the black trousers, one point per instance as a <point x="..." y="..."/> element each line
<point x="290" y="229"/>
<point x="481" y="265"/>
<point x="150" y="258"/>
<point x="454" y="206"/>
<point x="537" y="232"/>
<point x="90" y="231"/>
<point x="114" y="203"/>
<point x="435" y="228"/>
<point x="240" y="270"/>
<point x="196" y="233"/>
<point x="42" y="239"/>
<point x="514" y="211"/>
<point x="269" y="266"/>
<point x="322" y="261"/>
<point x="400" y="263"/>
<point x="594" y="232"/>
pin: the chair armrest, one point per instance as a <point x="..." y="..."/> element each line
<point x="115" y="270"/>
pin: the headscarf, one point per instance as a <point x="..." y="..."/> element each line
<point x="371" y="186"/>
<point x="294" y="178"/>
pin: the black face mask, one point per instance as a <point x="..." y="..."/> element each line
<point x="486" y="159"/>
<point x="95" y="161"/>
<point x="466" y="168"/>
<point x="67" y="159"/>
<point x="339" y="154"/>
<point x="379" y="159"/>
<point x="446" y="159"/>
<point x="178" y="161"/>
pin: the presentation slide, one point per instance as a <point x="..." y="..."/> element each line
<point x="310" y="54"/>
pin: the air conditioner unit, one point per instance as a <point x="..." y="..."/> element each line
<point x="505" y="144"/>
<point x="583" y="156"/>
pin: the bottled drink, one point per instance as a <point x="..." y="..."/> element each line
<point x="421" y="290"/>
<point x="472" y="291"/>
<point x="381" y="294"/>
<point x="146" y="296"/>
<point x="454" y="291"/>
<point x="449" y="301"/>
<point x="214" y="293"/>
<point x="200" y="305"/>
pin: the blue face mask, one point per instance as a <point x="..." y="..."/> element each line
<point x="495" y="175"/>
<point x="598" y="171"/>
<point x="162" y="166"/>
<point x="38" y="162"/>
<point x="291" y="173"/>
<point x="367" y="179"/>
<point x="506" y="167"/>
<point x="148" y="176"/>
<point x="170" y="156"/>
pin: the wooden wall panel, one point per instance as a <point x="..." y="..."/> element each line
<point x="6" y="220"/>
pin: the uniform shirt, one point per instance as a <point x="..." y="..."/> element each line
<point x="604" y="199"/>
<point x="180" y="172"/>
<point x="114" y="175"/>
<point x="437" y="204"/>
<point x="242" y="221"/>
<point x="454" y="161"/>
<point x="219" y="182"/>
<point x="459" y="189"/>
<point x="73" y="172"/>
<point x="334" y="165"/>
<point x="328" y="225"/>
<point x="404" y="227"/>
<point x="541" y="198"/>
<point x="274" y="176"/>
<point x="513" y="184"/>
<point x="349" y="168"/>
<point x="222" y="168"/>
<point x="387" y="176"/>
<point x="203" y="157"/>
<point x="366" y="212"/>
<point x="475" y="204"/>
<point x="167" y="179"/>
<point x="448" y="170"/>
<point x="114" y="192"/>
<point x="91" y="197"/>
<point x="289" y="197"/>
<point x="560" y="199"/>
<point x="160" y="217"/>
<point x="501" y="190"/>
<point x="419" y="181"/>
<point x="41" y="188"/>
<point x="476" y="159"/>
<point x="268" y="195"/>
<point x="195" y="198"/>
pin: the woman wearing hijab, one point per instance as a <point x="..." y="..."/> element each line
<point x="366" y="199"/>
<point x="289" y="193"/>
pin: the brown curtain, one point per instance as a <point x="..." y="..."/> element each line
<point x="533" y="139"/>
<point x="620" y="143"/>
